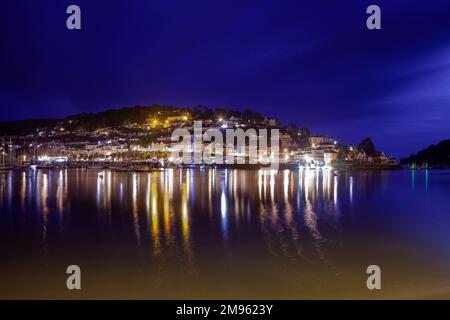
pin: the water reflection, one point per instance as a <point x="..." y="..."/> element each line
<point x="223" y="212"/>
<point x="351" y="189"/>
<point x="168" y="191"/>
<point x="154" y="216"/>
<point x="420" y="178"/>
<point x="43" y="191"/>
<point x="292" y="213"/>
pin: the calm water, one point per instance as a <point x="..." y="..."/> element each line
<point x="224" y="233"/>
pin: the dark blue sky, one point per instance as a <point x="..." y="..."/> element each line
<point x="309" y="62"/>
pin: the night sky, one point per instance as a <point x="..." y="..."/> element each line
<point x="310" y="62"/>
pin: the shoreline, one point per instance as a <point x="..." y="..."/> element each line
<point x="153" y="167"/>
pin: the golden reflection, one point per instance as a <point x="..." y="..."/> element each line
<point x="134" y="205"/>
<point x="185" y="224"/>
<point x="188" y="183"/>
<point x="168" y="194"/>
<point x="184" y="211"/>
<point x="147" y="196"/>
<point x="23" y="190"/>
<point x="155" y="218"/>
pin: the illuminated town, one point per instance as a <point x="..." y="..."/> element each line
<point x="146" y="143"/>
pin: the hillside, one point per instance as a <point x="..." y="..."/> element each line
<point x="23" y="127"/>
<point x="120" y="116"/>
<point x="434" y="154"/>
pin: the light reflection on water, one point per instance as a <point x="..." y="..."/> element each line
<point x="185" y="221"/>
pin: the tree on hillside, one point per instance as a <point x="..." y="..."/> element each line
<point x="367" y="146"/>
<point x="305" y="132"/>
